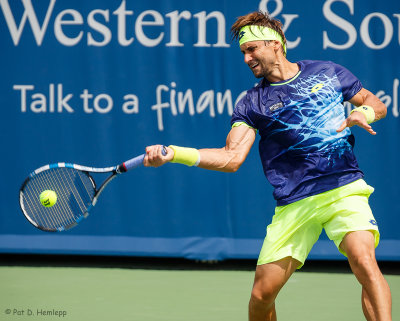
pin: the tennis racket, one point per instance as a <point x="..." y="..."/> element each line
<point x="75" y="189"/>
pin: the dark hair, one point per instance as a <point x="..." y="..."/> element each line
<point x="257" y="18"/>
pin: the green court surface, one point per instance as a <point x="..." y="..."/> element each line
<point x="85" y="294"/>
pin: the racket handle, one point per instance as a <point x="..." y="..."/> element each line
<point x="132" y="163"/>
<point x="136" y="162"/>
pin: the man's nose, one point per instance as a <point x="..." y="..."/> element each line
<point x="247" y="58"/>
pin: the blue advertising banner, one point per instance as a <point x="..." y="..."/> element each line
<point x="93" y="83"/>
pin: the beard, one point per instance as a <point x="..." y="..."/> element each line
<point x="258" y="73"/>
<point x="258" y="76"/>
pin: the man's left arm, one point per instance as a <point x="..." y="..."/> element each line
<point x="364" y="98"/>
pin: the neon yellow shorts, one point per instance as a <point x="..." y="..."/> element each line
<point x="297" y="226"/>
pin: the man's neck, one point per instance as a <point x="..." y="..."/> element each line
<point x="283" y="70"/>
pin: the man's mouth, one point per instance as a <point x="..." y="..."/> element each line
<point x="253" y="65"/>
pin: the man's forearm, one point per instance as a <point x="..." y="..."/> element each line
<point x="220" y="159"/>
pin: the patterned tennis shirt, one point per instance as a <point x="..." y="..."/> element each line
<point x="301" y="152"/>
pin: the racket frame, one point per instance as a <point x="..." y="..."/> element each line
<point x="114" y="170"/>
<point x="85" y="170"/>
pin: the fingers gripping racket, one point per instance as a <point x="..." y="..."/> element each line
<point x="73" y="189"/>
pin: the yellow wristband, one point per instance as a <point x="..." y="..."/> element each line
<point x="186" y="156"/>
<point x="367" y="111"/>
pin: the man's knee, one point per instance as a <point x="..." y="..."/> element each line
<point x="360" y="249"/>
<point x="269" y="279"/>
<point x="365" y="266"/>
<point x="264" y="293"/>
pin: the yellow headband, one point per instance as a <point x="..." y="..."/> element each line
<point x="253" y="33"/>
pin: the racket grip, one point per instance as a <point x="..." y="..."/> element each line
<point x="136" y="161"/>
<point x="132" y="163"/>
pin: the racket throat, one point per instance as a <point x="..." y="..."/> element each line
<point x="102" y="187"/>
<point x="121" y="168"/>
<point x="93" y="203"/>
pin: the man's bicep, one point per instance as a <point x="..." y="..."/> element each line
<point x="231" y="157"/>
<point x="240" y="139"/>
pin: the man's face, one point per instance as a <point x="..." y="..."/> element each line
<point x="259" y="56"/>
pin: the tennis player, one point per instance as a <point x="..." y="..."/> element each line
<point x="306" y="149"/>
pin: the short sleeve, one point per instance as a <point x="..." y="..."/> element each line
<point x="241" y="113"/>
<point x="350" y="83"/>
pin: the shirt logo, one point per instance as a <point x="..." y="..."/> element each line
<point x="317" y="87"/>
<point x="276" y="106"/>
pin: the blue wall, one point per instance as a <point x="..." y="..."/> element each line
<point x="93" y="83"/>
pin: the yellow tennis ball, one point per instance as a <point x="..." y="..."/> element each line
<point x="48" y="198"/>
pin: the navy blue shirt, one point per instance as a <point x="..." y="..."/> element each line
<point x="301" y="152"/>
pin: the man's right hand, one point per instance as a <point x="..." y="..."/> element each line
<point x="154" y="156"/>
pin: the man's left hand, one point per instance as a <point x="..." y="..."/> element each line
<point x="358" y="119"/>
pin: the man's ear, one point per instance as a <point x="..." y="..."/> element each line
<point x="276" y="44"/>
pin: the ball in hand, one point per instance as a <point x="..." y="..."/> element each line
<point x="48" y="198"/>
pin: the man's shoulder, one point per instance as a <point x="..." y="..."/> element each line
<point x="255" y="89"/>
<point x="306" y="64"/>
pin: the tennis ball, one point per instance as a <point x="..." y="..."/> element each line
<point x="48" y="198"/>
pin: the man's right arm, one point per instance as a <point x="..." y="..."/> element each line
<point x="226" y="159"/>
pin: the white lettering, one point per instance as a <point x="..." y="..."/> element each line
<point x="59" y="22"/>
<point x="184" y="99"/>
<point x="131" y="104"/>
<point x="121" y="13"/>
<point x="98" y="20"/>
<point x="62" y="102"/>
<point x="178" y="101"/>
<point x="85" y="97"/>
<point x="107" y="108"/>
<point x="395" y="108"/>
<point x="397" y="15"/>
<point x="224" y="99"/>
<point x="39" y="105"/>
<point x="263" y="6"/>
<point x="202" y="29"/>
<point x="159" y="106"/>
<point x="102" y="29"/>
<point x="241" y="95"/>
<point x="174" y="30"/>
<point x="158" y="20"/>
<point x="51" y="98"/>
<point x="23" y="89"/>
<point x="206" y="99"/>
<point x="40" y="101"/>
<point x="340" y="23"/>
<point x="29" y="13"/>
<point x="386" y="99"/>
<point x="387" y="26"/>
<point x="288" y="19"/>
<point x="172" y="99"/>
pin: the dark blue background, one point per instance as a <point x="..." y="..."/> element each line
<point x="175" y="210"/>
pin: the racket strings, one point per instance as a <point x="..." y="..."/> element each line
<point x="35" y="206"/>
<point x="74" y="189"/>
<point x="37" y="211"/>
<point x="56" y="217"/>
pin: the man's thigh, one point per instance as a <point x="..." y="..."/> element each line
<point x="351" y="214"/>
<point x="358" y="244"/>
<point x="271" y="277"/>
